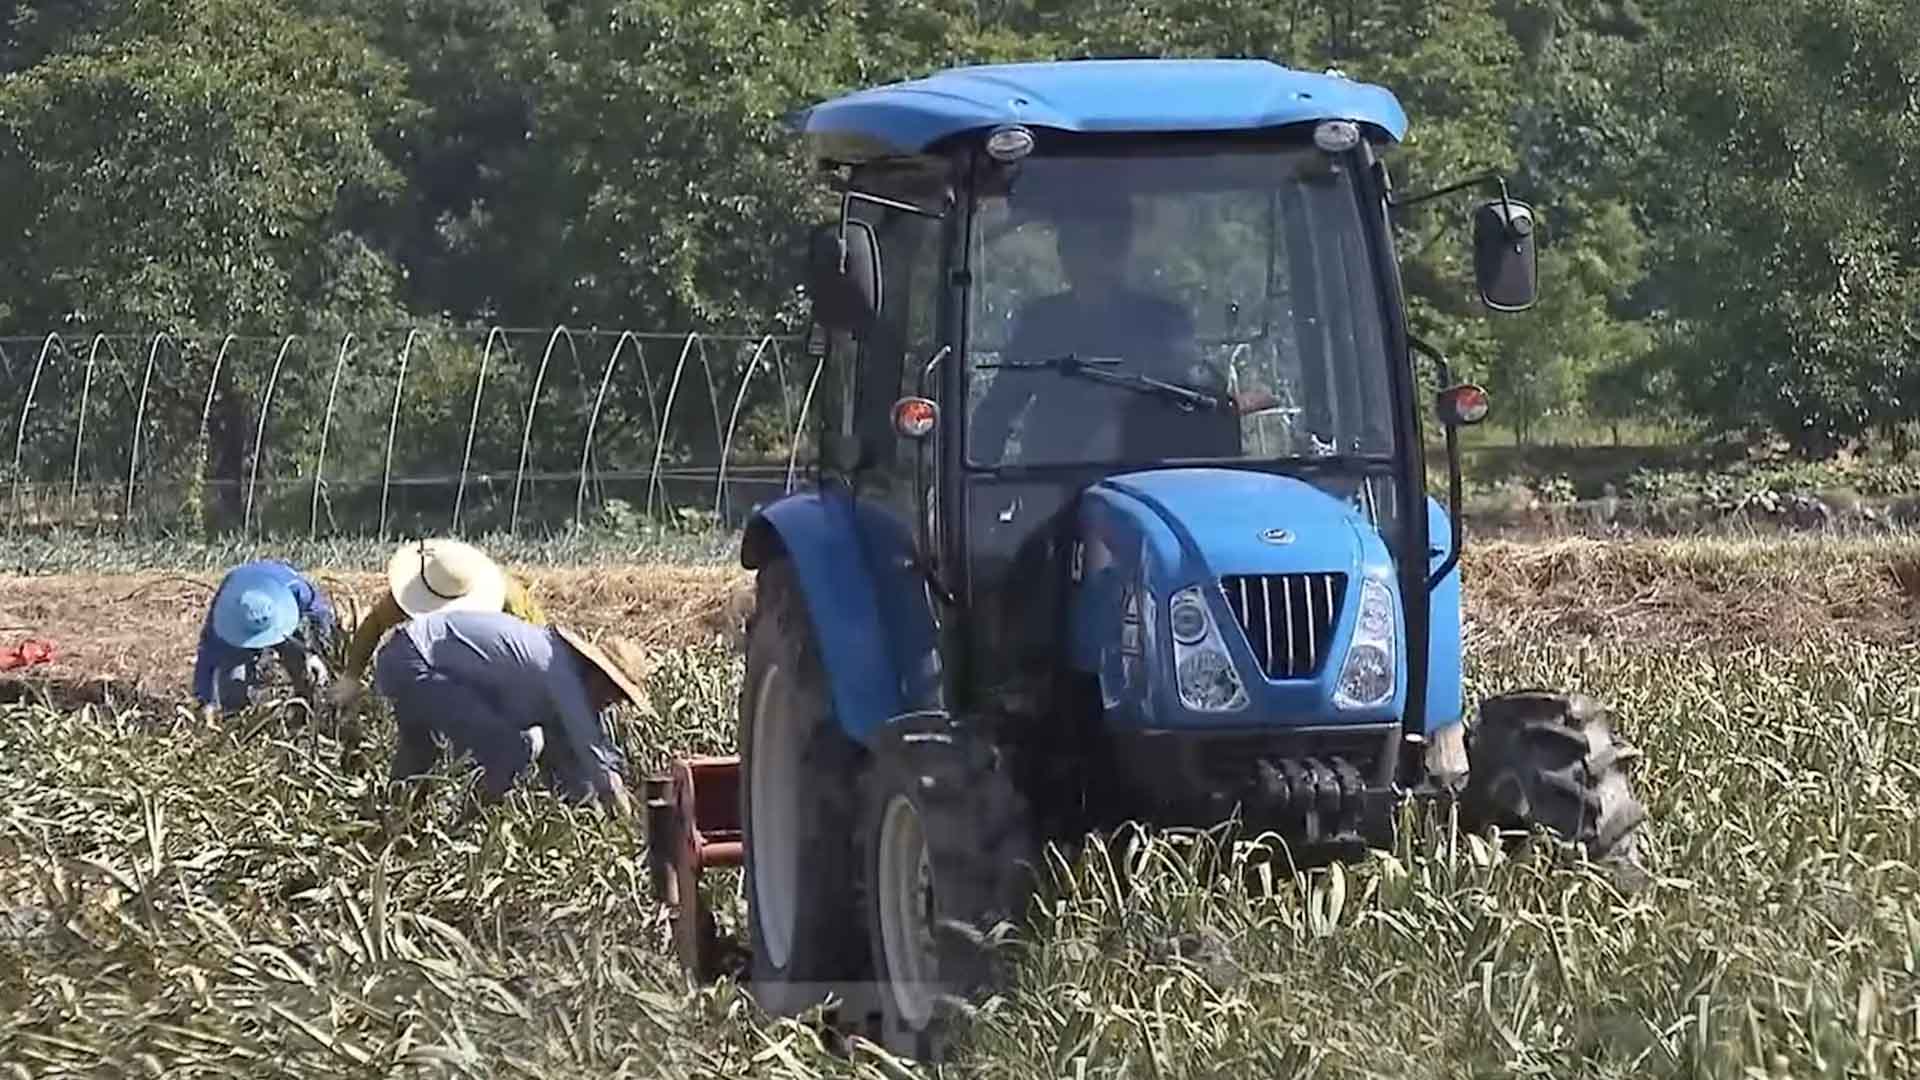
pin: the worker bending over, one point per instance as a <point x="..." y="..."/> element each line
<point x="261" y="606"/>
<point x="508" y="693"/>
<point x="428" y="576"/>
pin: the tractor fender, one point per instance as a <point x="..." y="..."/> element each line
<point x="868" y="607"/>
<point x="1443" y="627"/>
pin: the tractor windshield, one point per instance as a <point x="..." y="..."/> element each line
<point x="1212" y="301"/>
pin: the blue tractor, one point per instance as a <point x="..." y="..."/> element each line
<point x="1120" y="515"/>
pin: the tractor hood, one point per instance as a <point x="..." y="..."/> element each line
<point x="1280" y="566"/>
<point x="1232" y="521"/>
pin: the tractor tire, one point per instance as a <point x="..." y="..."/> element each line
<point x="949" y="852"/>
<point x="799" y="781"/>
<point x="1541" y="758"/>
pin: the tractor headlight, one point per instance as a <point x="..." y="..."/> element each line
<point x="1367" y="675"/>
<point x="1188" y="616"/>
<point x="1202" y="667"/>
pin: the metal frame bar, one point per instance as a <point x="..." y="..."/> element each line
<point x="526" y="435"/>
<point x="260" y="430"/>
<point x="473" y="424"/>
<point x="26" y="407"/>
<point x="80" y="422"/>
<point x="326" y="428"/>
<point x="666" y="416"/>
<point x="393" y="422"/>
<point x="593" y="421"/>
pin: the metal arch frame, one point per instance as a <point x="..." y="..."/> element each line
<point x="139" y="422"/>
<point x="26" y="408"/>
<point x="473" y="423"/>
<point x="713" y="400"/>
<point x="260" y="429"/>
<point x="786" y="387"/>
<point x="666" y="415"/>
<point x="733" y="422"/>
<point x="393" y="422"/>
<point x="326" y="428"/>
<point x="593" y="418"/>
<point x="806" y="406"/>
<point x="80" y="422"/>
<point x="533" y="404"/>
<point x="213" y="382"/>
<point x="768" y="351"/>
<point x="646" y="381"/>
<point x="206" y="407"/>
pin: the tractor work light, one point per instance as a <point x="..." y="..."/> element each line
<point x="1009" y="144"/>
<point x="1337" y="136"/>
<point x="1202" y="668"/>
<point x="1367" y="675"/>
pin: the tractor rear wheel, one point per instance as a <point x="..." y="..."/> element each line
<point x="799" y="776"/>
<point x="1541" y="758"/>
<point x="949" y="853"/>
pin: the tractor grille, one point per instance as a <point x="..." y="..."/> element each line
<point x="1288" y="618"/>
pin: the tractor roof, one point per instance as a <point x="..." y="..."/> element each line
<point x="1090" y="96"/>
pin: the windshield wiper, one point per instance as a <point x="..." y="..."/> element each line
<point x="1186" y="397"/>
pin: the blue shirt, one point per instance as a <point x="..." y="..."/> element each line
<point x="531" y="676"/>
<point x="316" y="615"/>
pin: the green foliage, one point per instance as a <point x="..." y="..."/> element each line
<point x="197" y="166"/>
<point x="185" y="899"/>
<point x="1787" y="264"/>
<point x="1716" y="181"/>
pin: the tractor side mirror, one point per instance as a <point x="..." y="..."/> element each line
<point x="1504" y="265"/>
<point x="844" y="277"/>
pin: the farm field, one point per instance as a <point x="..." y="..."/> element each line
<point x="182" y="900"/>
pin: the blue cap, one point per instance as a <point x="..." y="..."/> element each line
<point x="255" y="609"/>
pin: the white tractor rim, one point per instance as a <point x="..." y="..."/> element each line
<point x="773" y="830"/>
<point x="904" y="875"/>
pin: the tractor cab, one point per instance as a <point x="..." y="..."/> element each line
<point x="1120" y="515"/>
<point x="1113" y="330"/>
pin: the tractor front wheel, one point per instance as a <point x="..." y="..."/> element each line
<point x="798" y="773"/>
<point x="1553" y="760"/>
<point x="949" y="853"/>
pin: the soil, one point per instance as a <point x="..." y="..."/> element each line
<point x="135" y="635"/>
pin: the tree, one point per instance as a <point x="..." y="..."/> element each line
<point x="1788" y="259"/>
<point x="200" y="168"/>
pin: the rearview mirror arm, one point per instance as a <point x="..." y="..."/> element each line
<point x="1453" y="466"/>
<point x="848" y="195"/>
<point x="1493" y="178"/>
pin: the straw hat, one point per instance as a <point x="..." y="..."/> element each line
<point x="255" y="609"/>
<point x="619" y="659"/>
<point x="439" y="574"/>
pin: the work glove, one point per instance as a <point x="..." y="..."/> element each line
<point x="536" y="740"/>
<point x="616" y="800"/>
<point x="316" y="670"/>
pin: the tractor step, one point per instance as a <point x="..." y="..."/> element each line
<point x="693" y="822"/>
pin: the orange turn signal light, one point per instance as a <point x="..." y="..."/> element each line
<point x="915" y="417"/>
<point x="1462" y="406"/>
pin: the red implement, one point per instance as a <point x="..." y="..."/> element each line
<point x="26" y="654"/>
<point x="693" y="822"/>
